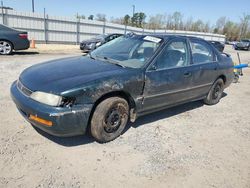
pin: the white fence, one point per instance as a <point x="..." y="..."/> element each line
<point x="54" y="29"/>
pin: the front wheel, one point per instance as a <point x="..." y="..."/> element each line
<point x="215" y="93"/>
<point x="5" y="47"/>
<point x="109" y="119"/>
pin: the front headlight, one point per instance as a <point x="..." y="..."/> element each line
<point x="46" y="98"/>
<point x="98" y="44"/>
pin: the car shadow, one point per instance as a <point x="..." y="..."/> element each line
<point x="24" y="53"/>
<point x="67" y="141"/>
<point x="166" y="113"/>
<point x="155" y="116"/>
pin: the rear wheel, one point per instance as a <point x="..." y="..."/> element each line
<point x="5" y="47"/>
<point x="215" y="93"/>
<point x="109" y="119"/>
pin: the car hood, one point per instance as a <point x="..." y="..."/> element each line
<point x="61" y="75"/>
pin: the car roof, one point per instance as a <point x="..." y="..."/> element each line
<point x="112" y="34"/>
<point x="172" y="36"/>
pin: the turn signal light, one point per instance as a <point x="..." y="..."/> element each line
<point x="40" y="120"/>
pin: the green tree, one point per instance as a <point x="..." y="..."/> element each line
<point x="216" y="30"/>
<point x="126" y="19"/>
<point x="138" y="19"/>
<point x="141" y="19"/>
<point x="91" y="17"/>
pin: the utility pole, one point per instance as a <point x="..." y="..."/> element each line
<point x="2" y="12"/>
<point x="133" y="10"/>
<point x="33" y="6"/>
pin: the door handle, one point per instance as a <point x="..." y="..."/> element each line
<point x="187" y="74"/>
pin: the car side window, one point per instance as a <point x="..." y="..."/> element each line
<point x="144" y="51"/>
<point x="175" y="54"/>
<point x="201" y="52"/>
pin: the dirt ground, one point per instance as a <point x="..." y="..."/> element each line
<point x="192" y="145"/>
<point x="54" y="48"/>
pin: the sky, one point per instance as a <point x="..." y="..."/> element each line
<point x="206" y="10"/>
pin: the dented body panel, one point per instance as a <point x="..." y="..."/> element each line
<point x="90" y="80"/>
<point x="66" y="121"/>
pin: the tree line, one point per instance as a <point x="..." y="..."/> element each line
<point x="176" y="21"/>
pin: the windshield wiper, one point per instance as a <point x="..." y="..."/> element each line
<point x="113" y="62"/>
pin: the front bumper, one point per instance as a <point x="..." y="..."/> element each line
<point x="86" y="47"/>
<point x="67" y="121"/>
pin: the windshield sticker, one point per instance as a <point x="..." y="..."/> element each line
<point x="152" y="39"/>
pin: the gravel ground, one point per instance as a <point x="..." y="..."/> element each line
<point x="192" y="145"/>
<point x="54" y="48"/>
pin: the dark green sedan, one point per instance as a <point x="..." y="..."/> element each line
<point x="128" y="77"/>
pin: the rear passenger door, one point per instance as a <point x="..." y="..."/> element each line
<point x="204" y="65"/>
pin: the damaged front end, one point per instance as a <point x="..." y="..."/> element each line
<point x="66" y="119"/>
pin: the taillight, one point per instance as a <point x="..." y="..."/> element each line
<point x="23" y="36"/>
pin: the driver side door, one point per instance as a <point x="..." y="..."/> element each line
<point x="169" y="79"/>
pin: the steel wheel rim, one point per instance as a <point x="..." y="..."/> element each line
<point x="114" y="119"/>
<point x="216" y="91"/>
<point x="5" y="47"/>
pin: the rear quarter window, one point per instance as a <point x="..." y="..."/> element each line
<point x="201" y="52"/>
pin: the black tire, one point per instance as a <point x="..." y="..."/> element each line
<point x="109" y="119"/>
<point x="6" y="48"/>
<point x="215" y="92"/>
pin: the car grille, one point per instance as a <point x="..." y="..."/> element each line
<point x="23" y="89"/>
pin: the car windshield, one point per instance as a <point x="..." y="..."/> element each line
<point x="128" y="51"/>
<point x="99" y="36"/>
<point x="245" y="41"/>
